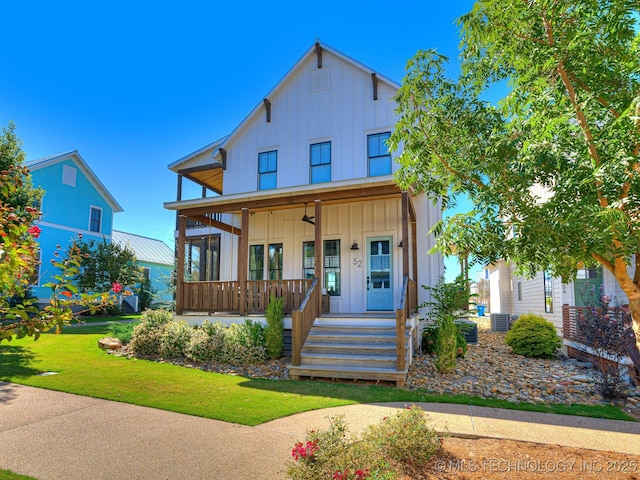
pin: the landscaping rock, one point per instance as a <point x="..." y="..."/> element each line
<point x="109" y="343"/>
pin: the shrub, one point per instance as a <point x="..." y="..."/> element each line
<point x="446" y="348"/>
<point x="395" y="445"/>
<point x="244" y="344"/>
<point x="122" y="331"/>
<point x="430" y="337"/>
<point x="206" y="342"/>
<point x="274" y="333"/>
<point x="533" y="336"/>
<point x="175" y="339"/>
<point x="147" y="335"/>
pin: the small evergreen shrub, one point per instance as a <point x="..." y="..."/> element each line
<point x="147" y="335"/>
<point x="274" y="333"/>
<point x="446" y="347"/>
<point x="430" y="337"/>
<point x="175" y="339"/>
<point x="533" y="336"/>
<point x="122" y="331"/>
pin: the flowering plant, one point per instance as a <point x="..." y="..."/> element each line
<point x="305" y="451"/>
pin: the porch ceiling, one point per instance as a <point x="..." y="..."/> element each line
<point x="283" y="198"/>
<point x="210" y="176"/>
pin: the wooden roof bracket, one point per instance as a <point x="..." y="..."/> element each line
<point x="319" y="54"/>
<point x="374" y="80"/>
<point x="267" y="105"/>
<point x="223" y="154"/>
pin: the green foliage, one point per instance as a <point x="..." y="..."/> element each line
<point x="175" y="339"/>
<point x="274" y="333"/>
<point x="430" y="338"/>
<point x="146" y="340"/>
<point x="104" y="264"/>
<point x="551" y="169"/>
<point x="146" y="294"/>
<point x="533" y="336"/>
<point x="446" y="348"/>
<point x="384" y="451"/>
<point x="244" y="344"/>
<point x="122" y="330"/>
<point x="449" y="300"/>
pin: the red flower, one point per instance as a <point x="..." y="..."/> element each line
<point x="116" y="287"/>
<point x="66" y="293"/>
<point x="35" y="231"/>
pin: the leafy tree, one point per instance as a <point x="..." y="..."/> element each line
<point x="553" y="169"/>
<point x="104" y="264"/>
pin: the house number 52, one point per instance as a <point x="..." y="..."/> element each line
<point x="357" y="262"/>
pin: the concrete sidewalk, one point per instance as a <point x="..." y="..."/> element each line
<point x="51" y="435"/>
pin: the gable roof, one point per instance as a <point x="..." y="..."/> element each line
<point x="145" y="249"/>
<point x="44" y="162"/>
<point x="179" y="165"/>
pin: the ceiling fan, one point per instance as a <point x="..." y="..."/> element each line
<point x="307" y="218"/>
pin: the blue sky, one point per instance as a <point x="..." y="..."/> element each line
<point x="134" y="86"/>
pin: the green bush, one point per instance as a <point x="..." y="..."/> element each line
<point x="446" y="346"/>
<point x="244" y="344"/>
<point x="147" y="335"/>
<point x="274" y="333"/>
<point x="122" y="331"/>
<point x="175" y="339"/>
<point x="533" y="336"/>
<point x="206" y="342"/>
<point x="383" y="451"/>
<point x="430" y="337"/>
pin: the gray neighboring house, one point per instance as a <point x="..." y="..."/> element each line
<point x="155" y="256"/>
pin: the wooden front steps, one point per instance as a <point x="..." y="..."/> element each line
<point x="353" y="347"/>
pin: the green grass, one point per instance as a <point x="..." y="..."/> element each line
<point x="7" y="475"/>
<point x="82" y="368"/>
<point x="102" y="319"/>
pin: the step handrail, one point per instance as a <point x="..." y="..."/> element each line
<point x="302" y="320"/>
<point x="402" y="313"/>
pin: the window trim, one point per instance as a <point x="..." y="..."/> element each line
<point x="322" y="163"/>
<point x="269" y="172"/>
<point x="388" y="154"/>
<point x="98" y="209"/>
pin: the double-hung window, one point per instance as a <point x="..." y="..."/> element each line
<point x="320" y="161"/>
<point x="274" y="261"/>
<point x="95" y="219"/>
<point x="331" y="268"/>
<point x="267" y="170"/>
<point x="378" y="154"/>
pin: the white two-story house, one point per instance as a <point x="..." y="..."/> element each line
<point x="299" y="200"/>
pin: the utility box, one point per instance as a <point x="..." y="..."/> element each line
<point x="500" y="322"/>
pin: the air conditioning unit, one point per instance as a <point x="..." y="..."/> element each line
<point x="500" y="322"/>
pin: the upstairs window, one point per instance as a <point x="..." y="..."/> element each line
<point x="267" y="170"/>
<point x="95" y="219"/>
<point x="320" y="159"/>
<point x="378" y="154"/>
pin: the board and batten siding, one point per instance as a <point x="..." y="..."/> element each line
<point x="334" y="103"/>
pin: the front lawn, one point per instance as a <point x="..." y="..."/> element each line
<point x="82" y="368"/>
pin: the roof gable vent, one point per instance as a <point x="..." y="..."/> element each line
<point x="320" y="79"/>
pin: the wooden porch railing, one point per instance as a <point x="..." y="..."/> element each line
<point x="223" y="296"/>
<point x="402" y="314"/>
<point x="302" y="320"/>
<point x="570" y="329"/>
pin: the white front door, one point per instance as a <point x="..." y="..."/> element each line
<point x="379" y="274"/>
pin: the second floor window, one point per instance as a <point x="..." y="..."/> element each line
<point x="267" y="170"/>
<point x="320" y="160"/>
<point x="95" y="219"/>
<point x="378" y="154"/>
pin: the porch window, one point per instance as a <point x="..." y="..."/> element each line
<point x="95" y="219"/>
<point x="275" y="261"/>
<point x="267" y="170"/>
<point x="256" y="262"/>
<point x="202" y="259"/>
<point x="548" y="293"/>
<point x="320" y="159"/>
<point x="378" y="154"/>
<point x="331" y="270"/>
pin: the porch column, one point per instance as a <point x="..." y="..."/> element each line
<point x="182" y="227"/>
<point x="319" y="254"/>
<point x="243" y="256"/>
<point x="405" y="234"/>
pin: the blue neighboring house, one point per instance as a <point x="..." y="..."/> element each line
<point x="154" y="256"/>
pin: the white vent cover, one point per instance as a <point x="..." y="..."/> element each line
<point x="320" y="79"/>
<point x="69" y="175"/>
